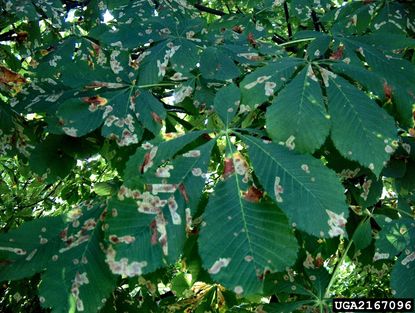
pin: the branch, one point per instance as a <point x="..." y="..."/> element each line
<point x="278" y="39"/>
<point x="287" y="19"/>
<point x="317" y="24"/>
<point x="75" y="4"/>
<point x="315" y="20"/>
<point x="172" y="108"/>
<point x="8" y="35"/>
<point x="203" y="8"/>
<point x="156" y="4"/>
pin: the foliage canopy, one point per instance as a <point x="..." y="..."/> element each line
<point x="223" y="156"/>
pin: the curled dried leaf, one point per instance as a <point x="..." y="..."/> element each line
<point x="8" y="78"/>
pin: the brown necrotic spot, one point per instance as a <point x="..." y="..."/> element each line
<point x="183" y="192"/>
<point x="387" y="90"/>
<point x="114" y="212"/>
<point x="96" y="100"/>
<point x="229" y="168"/>
<point x="253" y="194"/>
<point x="113" y="239"/>
<point x="249" y="258"/>
<point x="153" y="229"/>
<point x="156" y="117"/>
<point x="337" y="55"/>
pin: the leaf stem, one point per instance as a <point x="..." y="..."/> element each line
<point x="205" y="9"/>
<point x="296" y="41"/>
<point x="156" y="85"/>
<point x="287" y="19"/>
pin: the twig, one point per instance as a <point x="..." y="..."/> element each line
<point x="172" y="108"/>
<point x="287" y="19"/>
<point x="228" y="8"/>
<point x="42" y="199"/>
<point x="8" y="36"/>
<point x="239" y="9"/>
<point x="205" y="9"/>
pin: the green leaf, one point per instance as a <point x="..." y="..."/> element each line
<point x="77" y="276"/>
<point x="180" y="283"/>
<point x="226" y="102"/>
<point x="106" y="188"/>
<point x="388" y="41"/>
<point x="368" y="79"/>
<point x="120" y="111"/>
<point x="395" y="168"/>
<point x="361" y="131"/>
<point x="156" y="154"/>
<point x="298" y="112"/>
<point x="186" y="57"/>
<point x="362" y="236"/>
<point x="28" y="249"/>
<point x="403" y="276"/>
<point x="49" y="159"/>
<point x="309" y="193"/>
<point x="189" y="171"/>
<point x="77" y="117"/>
<point x="69" y="256"/>
<point x="319" y="46"/>
<point x="286" y="307"/>
<point x="368" y="192"/>
<point x="153" y="66"/>
<point x="398" y="236"/>
<point x="164" y="199"/>
<point x="397" y="74"/>
<point x="240" y="240"/>
<point x="406" y="183"/>
<point x="258" y="86"/>
<point x="134" y="240"/>
<point x="150" y="111"/>
<point x="216" y="64"/>
<point x="395" y="236"/>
